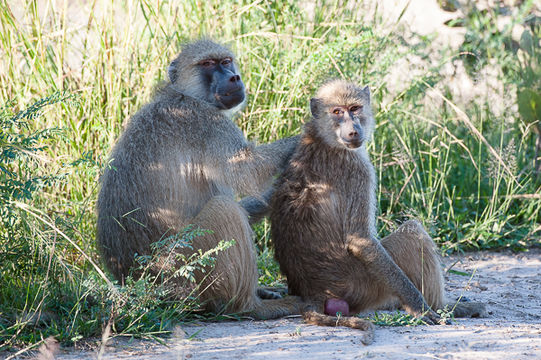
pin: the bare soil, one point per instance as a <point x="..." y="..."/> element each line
<point x="509" y="283"/>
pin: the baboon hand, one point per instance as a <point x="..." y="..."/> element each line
<point x="358" y="246"/>
<point x="432" y="318"/>
<point x="354" y="249"/>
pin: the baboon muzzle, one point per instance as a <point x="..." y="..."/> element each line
<point x="229" y="89"/>
<point x="351" y="135"/>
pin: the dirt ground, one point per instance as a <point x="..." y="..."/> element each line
<point x="509" y="283"/>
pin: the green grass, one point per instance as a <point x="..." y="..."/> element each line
<point x="465" y="172"/>
<point x="395" y="319"/>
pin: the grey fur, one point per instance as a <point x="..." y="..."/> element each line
<point x="181" y="161"/>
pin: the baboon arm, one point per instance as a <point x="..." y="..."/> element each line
<point x="257" y="206"/>
<point x="279" y="151"/>
<point x="379" y="262"/>
<point x="252" y="167"/>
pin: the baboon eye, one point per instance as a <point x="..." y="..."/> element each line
<point x="207" y="63"/>
<point x="226" y="61"/>
<point x="355" y="108"/>
<point x="337" y="111"/>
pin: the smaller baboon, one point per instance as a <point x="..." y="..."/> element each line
<point x="181" y="161"/>
<point x="323" y="223"/>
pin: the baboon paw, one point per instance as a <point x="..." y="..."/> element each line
<point x="427" y="320"/>
<point x="270" y="293"/>
<point x="432" y="318"/>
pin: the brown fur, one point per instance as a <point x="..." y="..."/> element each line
<point x="182" y="161"/>
<point x="323" y="224"/>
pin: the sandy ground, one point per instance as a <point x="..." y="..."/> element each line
<point x="510" y="285"/>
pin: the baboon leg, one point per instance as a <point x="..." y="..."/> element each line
<point x="276" y="308"/>
<point x="257" y="207"/>
<point x="232" y="283"/>
<point x="414" y="252"/>
<point x="394" y="281"/>
<point x="317" y="318"/>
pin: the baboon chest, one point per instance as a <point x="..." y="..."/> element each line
<point x="343" y="194"/>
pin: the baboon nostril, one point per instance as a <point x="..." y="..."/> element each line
<point x="234" y="78"/>
<point x="353" y="134"/>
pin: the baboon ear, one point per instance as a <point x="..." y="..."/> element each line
<point x="315" y="106"/>
<point x="172" y="71"/>
<point x="366" y="92"/>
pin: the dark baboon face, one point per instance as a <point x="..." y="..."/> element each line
<point x="343" y="114"/>
<point x="222" y="79"/>
<point x="207" y="71"/>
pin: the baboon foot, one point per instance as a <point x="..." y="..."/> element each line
<point x="268" y="292"/>
<point x="277" y="308"/>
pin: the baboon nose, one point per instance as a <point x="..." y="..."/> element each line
<point x="234" y="78"/>
<point x="354" y="135"/>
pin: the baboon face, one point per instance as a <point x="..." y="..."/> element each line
<point x="343" y="114"/>
<point x="207" y="71"/>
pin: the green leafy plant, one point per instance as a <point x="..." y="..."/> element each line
<point x="395" y="319"/>
<point x="157" y="295"/>
<point x="45" y="287"/>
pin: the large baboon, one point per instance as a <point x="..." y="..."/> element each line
<point x="180" y="161"/>
<point x="323" y="222"/>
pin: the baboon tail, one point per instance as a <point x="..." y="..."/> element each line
<point x="315" y="318"/>
<point x="277" y="308"/>
<point x="468" y="309"/>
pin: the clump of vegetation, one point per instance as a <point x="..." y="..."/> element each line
<point x="395" y="319"/>
<point x="519" y="59"/>
<point x="508" y="182"/>
<point x="464" y="171"/>
<point x="50" y="283"/>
